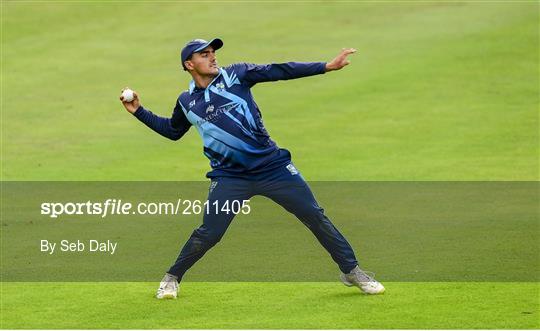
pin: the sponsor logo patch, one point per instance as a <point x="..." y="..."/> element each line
<point x="292" y="169"/>
<point x="212" y="186"/>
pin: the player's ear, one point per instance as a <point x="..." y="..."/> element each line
<point x="189" y="65"/>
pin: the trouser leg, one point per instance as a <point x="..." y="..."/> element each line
<point x="293" y="194"/>
<point x="215" y="223"/>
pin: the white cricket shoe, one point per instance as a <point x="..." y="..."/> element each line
<point x="363" y="281"/>
<point x="168" y="288"/>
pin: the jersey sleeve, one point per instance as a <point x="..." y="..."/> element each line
<point x="258" y="73"/>
<point x="173" y="128"/>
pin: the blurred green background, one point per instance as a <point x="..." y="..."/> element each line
<point x="436" y="91"/>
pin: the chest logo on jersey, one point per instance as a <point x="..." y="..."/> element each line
<point x="220" y="87"/>
<point x="213" y="114"/>
<point x="191" y="104"/>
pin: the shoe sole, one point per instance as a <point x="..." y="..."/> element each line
<point x="167" y="296"/>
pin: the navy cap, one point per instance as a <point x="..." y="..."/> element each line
<point x="198" y="45"/>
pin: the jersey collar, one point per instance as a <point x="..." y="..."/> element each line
<point x="193" y="87"/>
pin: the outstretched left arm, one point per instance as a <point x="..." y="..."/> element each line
<point x="283" y="71"/>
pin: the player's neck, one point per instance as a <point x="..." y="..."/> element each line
<point x="203" y="81"/>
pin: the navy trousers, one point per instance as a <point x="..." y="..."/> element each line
<point x="286" y="187"/>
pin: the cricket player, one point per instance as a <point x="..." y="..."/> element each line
<point x="244" y="160"/>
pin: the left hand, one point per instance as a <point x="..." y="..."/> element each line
<point x="341" y="60"/>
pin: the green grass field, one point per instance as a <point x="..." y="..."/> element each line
<point x="271" y="306"/>
<point x="438" y="91"/>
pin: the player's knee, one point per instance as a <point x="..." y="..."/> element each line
<point x="207" y="238"/>
<point x="313" y="214"/>
<point x="213" y="239"/>
<point x="312" y="217"/>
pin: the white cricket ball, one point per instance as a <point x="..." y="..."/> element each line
<point x="127" y="95"/>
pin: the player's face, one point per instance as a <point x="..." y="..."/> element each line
<point x="204" y="62"/>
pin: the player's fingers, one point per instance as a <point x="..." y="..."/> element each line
<point x="135" y="95"/>
<point x="122" y="98"/>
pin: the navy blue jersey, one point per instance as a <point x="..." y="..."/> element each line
<point x="228" y="119"/>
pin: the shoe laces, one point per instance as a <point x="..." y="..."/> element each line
<point x="168" y="281"/>
<point x="364" y="276"/>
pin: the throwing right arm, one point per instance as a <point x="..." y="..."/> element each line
<point x="173" y="128"/>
